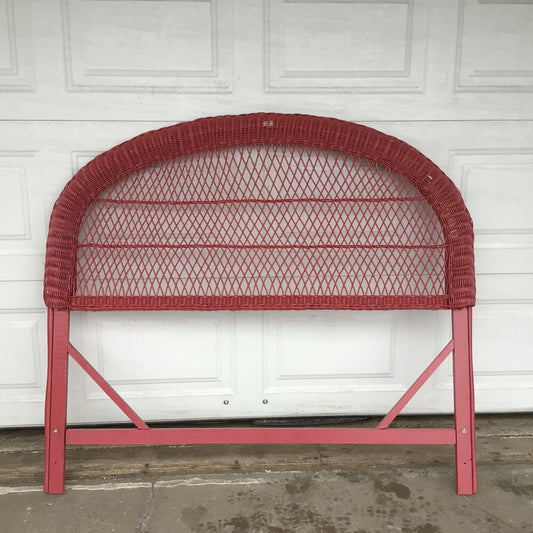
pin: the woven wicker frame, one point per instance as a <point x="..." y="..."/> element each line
<point x="212" y="134"/>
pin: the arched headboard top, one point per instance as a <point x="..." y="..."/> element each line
<point x="260" y="211"/>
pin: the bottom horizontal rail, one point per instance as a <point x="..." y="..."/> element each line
<point x="299" y="435"/>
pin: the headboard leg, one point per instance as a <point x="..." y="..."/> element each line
<point x="56" y="401"/>
<point x="463" y="383"/>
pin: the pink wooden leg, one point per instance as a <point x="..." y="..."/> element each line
<point x="463" y="378"/>
<point x="56" y="401"/>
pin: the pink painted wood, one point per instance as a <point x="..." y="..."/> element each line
<point x="106" y="387"/>
<point x="462" y="435"/>
<point x="463" y="377"/>
<point x="415" y="387"/>
<point x="56" y="401"/>
<point x="261" y="436"/>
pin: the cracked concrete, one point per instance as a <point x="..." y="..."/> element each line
<point x="142" y="526"/>
<point x="410" y="500"/>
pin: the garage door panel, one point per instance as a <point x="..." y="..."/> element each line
<point x="494" y="39"/>
<point x="21" y="210"/>
<point x="16" y="64"/>
<point x="157" y="46"/>
<point x="217" y="54"/>
<point x="22" y="366"/>
<point x="266" y="362"/>
<point x="330" y="350"/>
<point x="509" y="253"/>
<point x="481" y="185"/>
<point x="502" y="354"/>
<point x="451" y="78"/>
<point x="376" y="39"/>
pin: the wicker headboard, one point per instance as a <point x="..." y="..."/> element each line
<point x="261" y="211"/>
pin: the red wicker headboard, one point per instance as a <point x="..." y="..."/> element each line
<point x="262" y="211"/>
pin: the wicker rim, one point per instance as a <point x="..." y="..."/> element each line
<point x="259" y="128"/>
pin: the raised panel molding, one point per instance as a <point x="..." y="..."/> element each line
<point x="158" y="46"/>
<point x="146" y="355"/>
<point x="500" y="332"/>
<point x="305" y="350"/>
<point x="345" y="46"/>
<point x="513" y="324"/>
<point x="16" y="72"/>
<point x="21" y="365"/>
<point x="495" y="185"/>
<point x="14" y="204"/>
<point x="8" y="49"/>
<point x="494" y="46"/>
<point x="81" y="157"/>
<point x="21" y="209"/>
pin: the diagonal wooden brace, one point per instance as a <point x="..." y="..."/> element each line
<point x="415" y="387"/>
<point x="106" y="387"/>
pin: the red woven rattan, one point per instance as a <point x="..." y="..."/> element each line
<point x="262" y="211"/>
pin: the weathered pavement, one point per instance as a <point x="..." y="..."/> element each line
<point x="273" y="489"/>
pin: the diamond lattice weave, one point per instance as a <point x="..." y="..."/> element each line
<point x="261" y="221"/>
<point x="226" y="213"/>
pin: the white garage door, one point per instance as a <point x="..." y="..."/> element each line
<point x="455" y="79"/>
